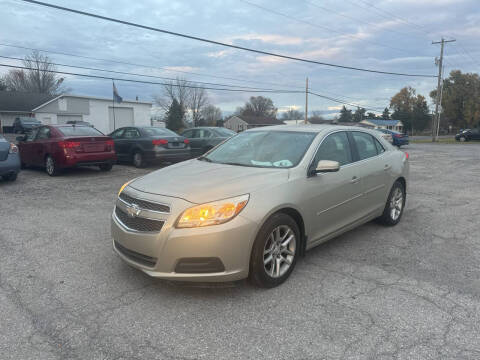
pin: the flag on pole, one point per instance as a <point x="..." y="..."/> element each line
<point x="117" y="98"/>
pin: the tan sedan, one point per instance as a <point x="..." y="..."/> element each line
<point x="255" y="203"/>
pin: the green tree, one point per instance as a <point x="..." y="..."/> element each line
<point x="386" y="114"/>
<point x="411" y="109"/>
<point x="359" y="114"/>
<point x="460" y="99"/>
<point x="345" y="115"/>
<point x="175" y="116"/>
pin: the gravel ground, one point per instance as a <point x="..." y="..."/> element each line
<point x="408" y="292"/>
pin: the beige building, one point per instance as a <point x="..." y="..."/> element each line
<point x="240" y="123"/>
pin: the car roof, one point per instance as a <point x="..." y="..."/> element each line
<point x="314" y="128"/>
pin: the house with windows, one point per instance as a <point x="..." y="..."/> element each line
<point x="395" y="125"/>
<point x="240" y="123"/>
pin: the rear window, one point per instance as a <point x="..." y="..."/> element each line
<point x="79" y="131"/>
<point x="152" y="131"/>
<point x="225" y="132"/>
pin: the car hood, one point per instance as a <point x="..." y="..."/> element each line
<point x="199" y="181"/>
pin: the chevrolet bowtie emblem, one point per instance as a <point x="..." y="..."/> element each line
<point x="133" y="210"/>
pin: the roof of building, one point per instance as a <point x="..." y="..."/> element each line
<point x="21" y="101"/>
<point x="88" y="97"/>
<point x="259" y="120"/>
<point x="381" y="122"/>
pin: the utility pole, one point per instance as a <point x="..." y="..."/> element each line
<point x="306" y="102"/>
<point x="436" y="118"/>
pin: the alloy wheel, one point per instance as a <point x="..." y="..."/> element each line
<point x="137" y="159"/>
<point x="279" y="251"/>
<point x="396" y="204"/>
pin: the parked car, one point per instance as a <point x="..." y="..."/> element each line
<point x="56" y="147"/>
<point x="386" y="136"/>
<point x="9" y="160"/>
<point x="468" y="134"/>
<point x="22" y="125"/>
<point x="141" y="145"/>
<point x="398" y="139"/>
<point x="79" y="122"/>
<point x="202" y="139"/>
<point x="255" y="203"/>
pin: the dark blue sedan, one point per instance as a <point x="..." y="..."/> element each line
<point x="398" y="139"/>
<point x="9" y="160"/>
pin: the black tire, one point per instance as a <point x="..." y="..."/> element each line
<point x="137" y="159"/>
<point x="462" y="139"/>
<point x="51" y="166"/>
<point x="10" y="177"/>
<point x="259" y="274"/>
<point x="388" y="217"/>
<point x="106" y="167"/>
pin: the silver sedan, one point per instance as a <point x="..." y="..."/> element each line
<point x="254" y="204"/>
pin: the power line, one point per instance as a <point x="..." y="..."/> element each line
<point x="276" y="91"/>
<point x="344" y="102"/>
<point x="136" y="74"/>
<point x="316" y="25"/>
<point x="218" y="42"/>
<point x="140" y="65"/>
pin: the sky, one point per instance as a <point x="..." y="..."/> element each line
<point x="387" y="35"/>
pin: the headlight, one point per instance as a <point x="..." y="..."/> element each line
<point x="13" y="149"/>
<point x="124" y="186"/>
<point x="214" y="213"/>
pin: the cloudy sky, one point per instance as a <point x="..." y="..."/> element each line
<point x="388" y="35"/>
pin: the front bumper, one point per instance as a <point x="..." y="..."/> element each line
<point x="213" y="253"/>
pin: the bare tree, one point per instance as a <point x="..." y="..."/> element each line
<point x="38" y="77"/>
<point x="258" y="106"/>
<point x="173" y="90"/>
<point x="211" y="114"/>
<point x="292" y="115"/>
<point x="196" y="102"/>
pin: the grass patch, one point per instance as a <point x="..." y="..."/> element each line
<point x="442" y="141"/>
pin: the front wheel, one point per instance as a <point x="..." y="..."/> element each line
<point x="463" y="139"/>
<point x="10" y="177"/>
<point x="274" y="252"/>
<point x="395" y="204"/>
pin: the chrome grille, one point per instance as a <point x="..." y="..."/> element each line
<point x="144" y="204"/>
<point x="138" y="223"/>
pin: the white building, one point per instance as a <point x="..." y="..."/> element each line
<point x="395" y="125"/>
<point x="240" y="123"/>
<point x="102" y="113"/>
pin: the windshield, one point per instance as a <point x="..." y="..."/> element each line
<point x="273" y="149"/>
<point x="152" y="131"/>
<point x="225" y="132"/>
<point x="79" y="131"/>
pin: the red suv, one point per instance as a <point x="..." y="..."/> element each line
<point x="56" y="147"/>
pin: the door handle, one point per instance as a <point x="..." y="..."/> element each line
<point x="354" y="180"/>
<point x="386" y="167"/>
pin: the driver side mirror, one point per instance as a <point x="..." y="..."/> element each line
<point x="324" y="166"/>
<point x="21" y="138"/>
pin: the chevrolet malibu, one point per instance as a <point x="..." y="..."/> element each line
<point x="253" y="205"/>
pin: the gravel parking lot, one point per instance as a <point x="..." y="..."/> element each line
<point x="408" y="292"/>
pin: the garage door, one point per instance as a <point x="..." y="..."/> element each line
<point x="123" y="117"/>
<point x="62" y="119"/>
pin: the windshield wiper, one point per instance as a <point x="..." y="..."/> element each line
<point x="203" y="158"/>
<point x="237" y="164"/>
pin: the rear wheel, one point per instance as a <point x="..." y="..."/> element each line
<point x="138" y="160"/>
<point x="51" y="166"/>
<point x="106" y="167"/>
<point x="274" y="252"/>
<point x="395" y="204"/>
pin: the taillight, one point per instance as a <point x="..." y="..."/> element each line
<point x="406" y="156"/>
<point x="397" y="135"/>
<point x="109" y="145"/>
<point x="110" y="142"/>
<point x="13" y="149"/>
<point x="160" y="142"/>
<point x="186" y="141"/>
<point x="68" y="144"/>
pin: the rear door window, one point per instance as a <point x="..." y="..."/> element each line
<point x="43" y="133"/>
<point x="131" y="133"/>
<point x="365" y="144"/>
